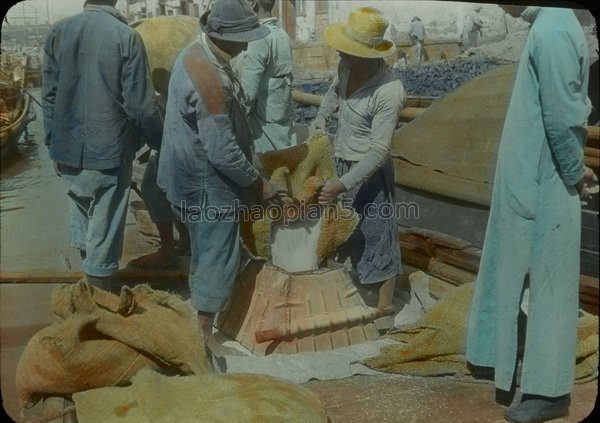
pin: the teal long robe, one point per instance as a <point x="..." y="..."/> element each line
<point x="535" y="218"/>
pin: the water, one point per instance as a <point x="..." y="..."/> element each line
<point x="34" y="209"/>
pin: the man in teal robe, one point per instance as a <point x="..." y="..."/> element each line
<point x="535" y="222"/>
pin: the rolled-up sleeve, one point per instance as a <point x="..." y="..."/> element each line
<point x="562" y="96"/>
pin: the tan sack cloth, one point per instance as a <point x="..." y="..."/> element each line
<point x="210" y="398"/>
<point x="164" y="37"/>
<point x="101" y="339"/>
<point x="301" y="170"/>
<point x="435" y="344"/>
<point x="451" y="148"/>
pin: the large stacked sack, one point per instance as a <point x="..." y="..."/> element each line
<point x="200" y="399"/>
<point x="100" y="339"/>
<point x="164" y="37"/>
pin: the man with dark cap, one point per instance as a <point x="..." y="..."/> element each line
<point x="98" y="104"/>
<point x="205" y="163"/>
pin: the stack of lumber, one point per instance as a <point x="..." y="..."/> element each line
<point x="452" y="262"/>
<point x="592" y="148"/>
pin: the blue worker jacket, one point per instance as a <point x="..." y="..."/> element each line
<point x="206" y="156"/>
<point x="98" y="100"/>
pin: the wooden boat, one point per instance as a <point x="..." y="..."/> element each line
<point x="15" y="104"/>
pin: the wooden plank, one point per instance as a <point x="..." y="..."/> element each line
<point x="593" y="162"/>
<point x="439" y="238"/>
<point x="593" y="137"/>
<point x="588" y="299"/>
<point x="467" y="259"/>
<point x="589" y="285"/>
<point x="417" y="243"/>
<point x="590" y="308"/>
<point x="434" y="267"/>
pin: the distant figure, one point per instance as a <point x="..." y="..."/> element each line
<point x="529" y="268"/>
<point x="472" y="28"/>
<point x="99" y="107"/>
<point x="266" y="76"/>
<point x="416" y="33"/>
<point x="402" y="62"/>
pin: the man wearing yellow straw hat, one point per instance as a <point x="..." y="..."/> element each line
<point x="367" y="97"/>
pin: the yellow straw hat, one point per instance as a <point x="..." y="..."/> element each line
<point x="361" y="35"/>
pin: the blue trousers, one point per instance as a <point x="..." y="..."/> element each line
<point x="373" y="248"/>
<point x="98" y="210"/>
<point x="215" y="260"/>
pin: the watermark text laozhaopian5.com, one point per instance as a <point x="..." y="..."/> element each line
<point x="292" y="212"/>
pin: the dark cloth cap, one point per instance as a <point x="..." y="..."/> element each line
<point x="232" y="20"/>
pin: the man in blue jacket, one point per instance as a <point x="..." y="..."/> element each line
<point x="98" y="103"/>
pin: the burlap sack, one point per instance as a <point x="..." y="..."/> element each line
<point x="300" y="170"/>
<point x="164" y="37"/>
<point x="101" y="339"/>
<point x="435" y="345"/>
<point x="196" y="399"/>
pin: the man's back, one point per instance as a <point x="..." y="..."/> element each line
<point x="96" y="90"/>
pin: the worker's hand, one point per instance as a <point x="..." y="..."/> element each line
<point x="267" y="191"/>
<point x="330" y="191"/>
<point x="317" y="125"/>
<point x="588" y="184"/>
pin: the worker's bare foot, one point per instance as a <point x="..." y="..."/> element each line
<point x="158" y="260"/>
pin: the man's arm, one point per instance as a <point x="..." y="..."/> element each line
<point x="50" y="72"/>
<point x="560" y="76"/>
<point x="223" y="151"/>
<point x="253" y="69"/>
<point x="138" y="94"/>
<point x="329" y="105"/>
